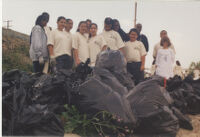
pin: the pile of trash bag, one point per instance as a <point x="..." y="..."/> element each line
<point x="31" y="102"/>
<point x="186" y="94"/>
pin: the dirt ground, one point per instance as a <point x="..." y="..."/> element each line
<point x="195" y="120"/>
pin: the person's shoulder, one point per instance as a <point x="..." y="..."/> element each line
<point x="37" y="28"/>
<point x="115" y="32"/>
<point x="54" y="31"/>
<point x="139" y="43"/>
<point x="127" y="43"/>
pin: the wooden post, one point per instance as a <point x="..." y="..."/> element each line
<point x="135" y="14"/>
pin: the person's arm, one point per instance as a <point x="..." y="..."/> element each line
<point x="104" y="44"/>
<point x="36" y="42"/>
<point x="76" y="57"/>
<point x="146" y="43"/>
<point x="50" y="48"/>
<point x="120" y="43"/>
<point x="50" y="44"/>
<point x="143" y="53"/>
<point x="143" y="63"/>
<point x="154" y="52"/>
<point x="75" y="46"/>
<point x="157" y="58"/>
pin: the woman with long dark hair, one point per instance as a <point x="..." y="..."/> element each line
<point x="38" y="40"/>
<point x="117" y="28"/>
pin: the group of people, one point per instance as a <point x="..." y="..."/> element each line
<point x="61" y="48"/>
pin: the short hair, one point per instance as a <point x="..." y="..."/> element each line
<point x="108" y="21"/>
<point x="163" y="31"/>
<point x="139" y="24"/>
<point x="61" y="17"/>
<point x="89" y="20"/>
<point x="133" y="30"/>
<point x="67" y="20"/>
<point x="165" y="39"/>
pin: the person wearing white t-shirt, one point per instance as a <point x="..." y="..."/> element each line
<point x="165" y="59"/>
<point x="80" y="44"/>
<point x="135" y="53"/>
<point x="157" y="46"/>
<point x="68" y="25"/>
<point x="96" y="44"/>
<point x="113" y="39"/>
<point x="60" y="46"/>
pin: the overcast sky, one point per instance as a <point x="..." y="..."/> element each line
<point x="181" y="19"/>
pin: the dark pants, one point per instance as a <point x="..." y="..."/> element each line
<point x="134" y="69"/>
<point x="37" y="67"/>
<point x="64" y="62"/>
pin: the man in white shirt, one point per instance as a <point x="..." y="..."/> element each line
<point x="163" y="33"/>
<point x="111" y="37"/>
<point x="60" y="46"/>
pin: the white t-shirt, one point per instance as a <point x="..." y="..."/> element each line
<point x="80" y="42"/>
<point x="164" y="62"/>
<point x="96" y="44"/>
<point x="61" y="41"/>
<point x="134" y="51"/>
<point x="158" y="46"/>
<point x="113" y="39"/>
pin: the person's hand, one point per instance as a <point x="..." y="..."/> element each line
<point x="78" y="61"/>
<point x="142" y="68"/>
<point x="52" y="61"/>
<point x="41" y="60"/>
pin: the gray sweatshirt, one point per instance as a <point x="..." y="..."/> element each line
<point x="38" y="44"/>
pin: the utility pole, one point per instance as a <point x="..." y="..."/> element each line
<point x="8" y="24"/>
<point x="135" y="14"/>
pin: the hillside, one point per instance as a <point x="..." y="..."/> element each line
<point x="15" y="51"/>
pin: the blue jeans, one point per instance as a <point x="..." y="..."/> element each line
<point x="64" y="62"/>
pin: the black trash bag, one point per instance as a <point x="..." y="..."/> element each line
<point x="110" y="80"/>
<point x="196" y="86"/>
<point x="185" y="94"/>
<point x="184" y="120"/>
<point x="38" y="120"/>
<point x="95" y="96"/>
<point x="174" y="83"/>
<point x="51" y="90"/>
<point x="114" y="62"/>
<point x="150" y="105"/>
<point x="17" y="106"/>
<point x="82" y="70"/>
